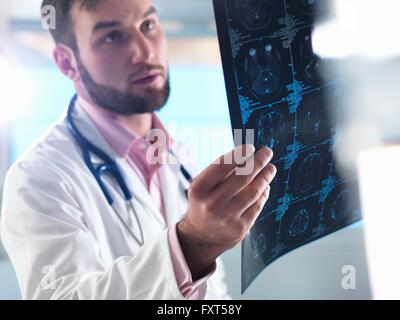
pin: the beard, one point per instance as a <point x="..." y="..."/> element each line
<point x="124" y="103"/>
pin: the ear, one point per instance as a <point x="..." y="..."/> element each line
<point x="65" y="59"/>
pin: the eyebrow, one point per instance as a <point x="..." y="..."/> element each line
<point x="150" y="12"/>
<point x="112" y="24"/>
<point x="105" y="25"/>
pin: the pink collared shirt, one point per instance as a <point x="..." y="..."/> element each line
<point x="133" y="148"/>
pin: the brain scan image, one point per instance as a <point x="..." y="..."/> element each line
<point x="307" y="178"/>
<point x="340" y="206"/>
<point x="300" y="221"/>
<point x="299" y="224"/>
<point x="254" y="14"/>
<point x="271" y="131"/>
<point x="311" y="63"/>
<point x="262" y="67"/>
<point x="313" y="123"/>
<point x="276" y="85"/>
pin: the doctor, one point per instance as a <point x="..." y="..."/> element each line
<point x="103" y="208"/>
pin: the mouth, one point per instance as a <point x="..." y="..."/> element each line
<point x="147" y="78"/>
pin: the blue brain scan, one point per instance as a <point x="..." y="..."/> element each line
<point x="276" y="86"/>
<point x="271" y="131"/>
<point x="262" y="67"/>
<point x="340" y="207"/>
<point x="308" y="175"/>
<point x="300" y="223"/>
<point x="254" y="14"/>
<point x="313" y="125"/>
<point x="312" y="63"/>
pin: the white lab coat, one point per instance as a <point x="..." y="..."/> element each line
<point x="64" y="239"/>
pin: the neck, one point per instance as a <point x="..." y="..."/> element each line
<point x="140" y="124"/>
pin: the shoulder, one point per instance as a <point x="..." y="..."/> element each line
<point x="53" y="156"/>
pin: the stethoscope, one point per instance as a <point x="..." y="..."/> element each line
<point x="108" y="166"/>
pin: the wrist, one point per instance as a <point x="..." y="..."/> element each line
<point x="200" y="256"/>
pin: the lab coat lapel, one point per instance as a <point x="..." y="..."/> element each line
<point x="91" y="133"/>
<point x="169" y="179"/>
<point x="175" y="186"/>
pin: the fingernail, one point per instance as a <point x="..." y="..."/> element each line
<point x="275" y="170"/>
<point x="269" y="153"/>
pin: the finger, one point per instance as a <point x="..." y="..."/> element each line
<point x="253" y="212"/>
<point x="220" y="168"/>
<point x="234" y="184"/>
<point x="250" y="194"/>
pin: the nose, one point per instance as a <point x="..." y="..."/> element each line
<point x="143" y="51"/>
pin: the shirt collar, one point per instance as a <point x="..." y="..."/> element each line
<point x="123" y="140"/>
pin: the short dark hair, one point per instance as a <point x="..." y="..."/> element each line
<point x="63" y="33"/>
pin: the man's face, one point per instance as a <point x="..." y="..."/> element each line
<point x="122" y="55"/>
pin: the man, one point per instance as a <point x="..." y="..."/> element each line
<point x="63" y="237"/>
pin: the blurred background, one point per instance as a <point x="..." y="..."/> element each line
<point x="35" y="94"/>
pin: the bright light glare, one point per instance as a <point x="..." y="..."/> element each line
<point x="367" y="28"/>
<point x="15" y="92"/>
<point x="379" y="181"/>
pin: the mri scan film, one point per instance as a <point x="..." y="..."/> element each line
<point x="277" y="86"/>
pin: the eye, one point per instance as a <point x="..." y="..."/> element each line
<point x="148" y="25"/>
<point x="113" y="37"/>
